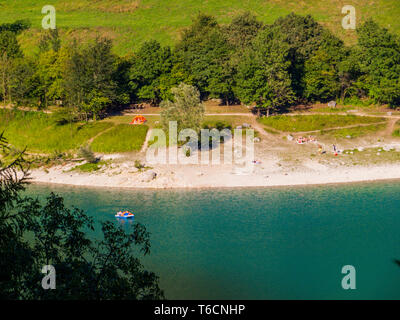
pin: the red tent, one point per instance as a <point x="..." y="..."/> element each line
<point x="138" y="120"/>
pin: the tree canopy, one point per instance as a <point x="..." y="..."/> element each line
<point x="293" y="60"/>
<point x="34" y="235"/>
<point x="89" y="77"/>
<point x="379" y="63"/>
<point x="186" y="108"/>
<point x="150" y="66"/>
<point x="263" y="73"/>
<point x="204" y="52"/>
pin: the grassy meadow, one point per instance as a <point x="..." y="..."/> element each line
<point x="121" y="138"/>
<point x="41" y="133"/>
<point x="301" y="123"/>
<point x="354" y="132"/>
<point x="131" y="22"/>
<point x="396" y="132"/>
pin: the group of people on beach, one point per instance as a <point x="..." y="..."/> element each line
<point x="302" y="140"/>
<point x="335" y="150"/>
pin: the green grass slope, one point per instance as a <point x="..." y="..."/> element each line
<point x="122" y="138"/>
<point x="41" y="133"/>
<point x="300" y="123"/>
<point x="38" y="132"/>
<point x="130" y="22"/>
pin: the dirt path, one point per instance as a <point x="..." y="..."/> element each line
<point x="207" y="114"/>
<point x="146" y="141"/>
<point x="361" y="114"/>
<point x="255" y="125"/>
<point x="89" y="142"/>
<point x="344" y="127"/>
<point x="390" y="127"/>
<point x="25" y="109"/>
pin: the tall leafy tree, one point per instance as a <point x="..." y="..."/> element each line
<point x="349" y="74"/>
<point x="321" y="80"/>
<point x="263" y="73"/>
<point x="50" y="39"/>
<point x="25" y="83"/>
<point x="151" y="64"/>
<point x="239" y="33"/>
<point x="89" y="77"/>
<point x="12" y="64"/>
<point x="242" y="30"/>
<point x="205" y="52"/>
<point x="122" y="79"/>
<point x="186" y="108"/>
<point x="9" y="44"/>
<point x="51" y="66"/>
<point x="379" y="63"/>
<point x="305" y="37"/>
<point x="9" y="51"/>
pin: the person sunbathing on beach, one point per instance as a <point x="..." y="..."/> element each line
<point x="335" y="152"/>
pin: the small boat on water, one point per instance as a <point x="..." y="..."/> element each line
<point x="124" y="214"/>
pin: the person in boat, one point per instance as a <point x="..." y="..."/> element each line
<point x="124" y="214"/>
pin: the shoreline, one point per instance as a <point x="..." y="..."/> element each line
<point x="39" y="183"/>
<point x="215" y="177"/>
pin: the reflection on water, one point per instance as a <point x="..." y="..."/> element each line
<point x="261" y="243"/>
<point x="126" y="222"/>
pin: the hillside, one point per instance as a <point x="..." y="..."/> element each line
<point x="130" y="22"/>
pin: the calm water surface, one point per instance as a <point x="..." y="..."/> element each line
<point x="264" y="243"/>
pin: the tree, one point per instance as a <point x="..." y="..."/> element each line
<point x="263" y="73"/>
<point x="51" y="68"/>
<point x="177" y="75"/>
<point x="150" y="66"/>
<point x="9" y="50"/>
<point x="305" y="37"/>
<point x="321" y="80"/>
<point x="25" y="83"/>
<point x="16" y="27"/>
<point x="242" y="30"/>
<point x="204" y="53"/>
<point x="379" y="63"/>
<point x="349" y="75"/>
<point x="240" y="34"/>
<point x="9" y="45"/>
<point x="186" y="109"/>
<point x="96" y="104"/>
<point x="86" y="269"/>
<point x="121" y="79"/>
<point x="6" y="68"/>
<point x="89" y="78"/>
<point x="50" y="39"/>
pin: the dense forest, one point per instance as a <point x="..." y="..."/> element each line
<point x="294" y="60"/>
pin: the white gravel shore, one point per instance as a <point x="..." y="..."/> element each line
<point x="196" y="176"/>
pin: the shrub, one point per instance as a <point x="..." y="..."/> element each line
<point x="139" y="165"/>
<point x="87" y="153"/>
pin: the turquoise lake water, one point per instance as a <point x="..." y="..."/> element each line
<point x="261" y="243"/>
